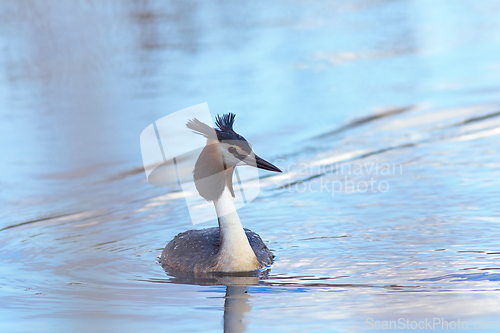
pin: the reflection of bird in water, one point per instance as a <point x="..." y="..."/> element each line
<point x="228" y="248"/>
<point x="236" y="306"/>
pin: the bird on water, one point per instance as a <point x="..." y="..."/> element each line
<point x="229" y="247"/>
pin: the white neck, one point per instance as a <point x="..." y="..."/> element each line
<point x="235" y="252"/>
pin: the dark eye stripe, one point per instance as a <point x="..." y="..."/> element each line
<point x="240" y="156"/>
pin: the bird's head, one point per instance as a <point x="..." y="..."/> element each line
<point x="234" y="148"/>
<point x="225" y="149"/>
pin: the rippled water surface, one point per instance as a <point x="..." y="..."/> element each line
<point x="384" y="115"/>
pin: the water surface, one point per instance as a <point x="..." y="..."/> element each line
<point x="384" y="115"/>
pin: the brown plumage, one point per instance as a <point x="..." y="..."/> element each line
<point x="196" y="251"/>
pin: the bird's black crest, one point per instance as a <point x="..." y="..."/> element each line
<point x="225" y="122"/>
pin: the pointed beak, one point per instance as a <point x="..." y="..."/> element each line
<point x="263" y="164"/>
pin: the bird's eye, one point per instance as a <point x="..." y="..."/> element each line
<point x="232" y="150"/>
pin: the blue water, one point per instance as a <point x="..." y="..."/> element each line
<point x="384" y="116"/>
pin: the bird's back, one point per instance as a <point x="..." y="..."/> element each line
<point x="196" y="251"/>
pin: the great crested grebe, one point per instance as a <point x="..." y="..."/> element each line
<point x="228" y="248"/>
